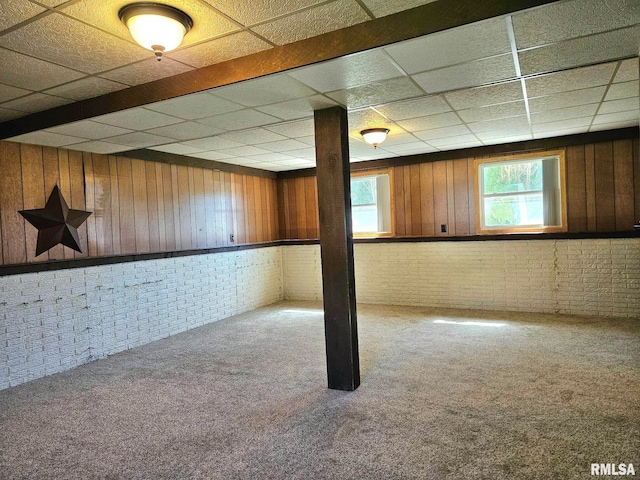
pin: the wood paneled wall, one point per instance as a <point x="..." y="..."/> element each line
<point x="138" y="206"/>
<point x="603" y="194"/>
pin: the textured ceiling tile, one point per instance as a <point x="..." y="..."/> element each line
<point x="399" y="138"/>
<point x="239" y="120"/>
<point x="211" y="156"/>
<point x="348" y="72"/>
<point x="177" y="148"/>
<point x="88" y="129"/>
<point x="80" y="47"/>
<point x="99" y="147"/>
<point x="137" y="119"/>
<point x="138" y="139"/>
<point x="244" y="151"/>
<point x="186" y="131"/>
<point x="87" y="87"/>
<point x="463" y="141"/>
<point x="256" y="11"/>
<point x="451" y="47"/>
<point x="52" y="3"/>
<point x="429" y="122"/>
<point x="564" y="113"/>
<point x="567" y="99"/>
<point x="312" y="22"/>
<point x="563" y="125"/>
<point x="382" y="8"/>
<point x="454" y="131"/>
<point x="296" y="109"/>
<point x="253" y="137"/>
<point x="417" y="107"/>
<point x="596" y="127"/>
<point x="404" y="147"/>
<point x="195" y="106"/>
<point x="13" y="12"/>
<point x="501" y="124"/>
<point x="300" y="128"/>
<point x="6" y="114"/>
<point x="503" y="136"/>
<point x="46" y="138"/>
<point x="560" y="133"/>
<point x="213" y="143"/>
<point x="377" y="93"/>
<point x="221" y="49"/>
<point x="367" y="118"/>
<point x="628" y="70"/>
<point x="309" y="140"/>
<point x="264" y="91"/>
<point x="146" y="71"/>
<point x="283" y="145"/>
<point x="472" y="74"/>
<point x="581" y="51"/>
<point x="207" y="23"/>
<point x="483" y="96"/>
<point x="622" y="105"/>
<point x="516" y="138"/>
<point x="36" y="102"/>
<point x="549" y="24"/>
<point x="9" y="93"/>
<point x="623" y="90"/>
<point x="568" y="80"/>
<point x="492" y="112"/>
<point x="308" y="153"/>
<point x="270" y="157"/>
<point x="28" y="72"/>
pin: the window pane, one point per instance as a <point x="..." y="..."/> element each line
<point x="514" y="210"/>
<point x="512" y="177"/>
<point x="363" y="191"/>
<point x="364" y="218"/>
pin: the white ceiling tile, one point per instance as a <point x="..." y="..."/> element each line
<point x="568" y="80"/>
<point x="257" y="11"/>
<point x="213" y="143"/>
<point x="567" y="99"/>
<point x="581" y="51"/>
<point x="430" y="122"/>
<point x="314" y="21"/>
<point x="623" y="90"/>
<point x="6" y="114"/>
<point x="31" y="73"/>
<point x="195" y="106"/>
<point x="17" y="11"/>
<point x="574" y="123"/>
<point x="367" y="118"/>
<point x="283" y="145"/>
<point x="137" y="119"/>
<point x="506" y="139"/>
<point x="453" y="46"/>
<point x="455" y="143"/>
<point x="295" y="109"/>
<point x="253" y="137"/>
<point x="612" y="126"/>
<point x="46" y="138"/>
<point x="384" y="91"/>
<point x="300" y="128"/>
<point x="293" y="161"/>
<point x="398" y="139"/>
<point x="405" y="147"/>
<point x="239" y="120"/>
<point x="382" y="8"/>
<point x="146" y="71"/>
<point x="87" y="87"/>
<point x="177" y="148"/>
<point x="549" y="24"/>
<point x="265" y="90"/>
<point x="491" y="112"/>
<point x="471" y="74"/>
<point x="88" y="129"/>
<point x="244" y="151"/>
<point x="499" y="135"/>
<point x="270" y="157"/>
<point x="308" y="153"/>
<point x="81" y="47"/>
<point x="139" y="139"/>
<point x="348" y="72"/>
<point x="564" y="113"/>
<point x="97" y="146"/>
<point x="455" y="131"/>
<point x="219" y="50"/>
<point x="503" y="124"/>
<point x="211" y="156"/>
<point x="560" y="132"/>
<point x="8" y="92"/>
<point x="309" y="140"/>
<point x="628" y="70"/>
<point x="36" y="102"/>
<point x="629" y="115"/>
<point x="418" y="107"/>
<point x="622" y="105"/>
<point x="483" y="96"/>
<point x="186" y="131"/>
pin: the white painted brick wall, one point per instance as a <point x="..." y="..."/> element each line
<point x="53" y="321"/>
<point x="583" y="277"/>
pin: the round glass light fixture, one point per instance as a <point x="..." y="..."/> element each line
<point x="157" y="27"/>
<point x="374" y="136"/>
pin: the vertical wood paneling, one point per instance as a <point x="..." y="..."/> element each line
<point x="590" y="186"/>
<point x="102" y="205"/>
<point x="89" y="182"/>
<point x="623" y="183"/>
<point x="398" y="191"/>
<point x="471" y="185"/>
<point x="426" y="198"/>
<point x="152" y="206"/>
<point x="269" y="208"/>
<point x="311" y="201"/>
<point x="228" y="224"/>
<point x="461" y="196"/>
<point x="238" y="199"/>
<point x="162" y="232"/>
<point x="605" y="193"/>
<point x="635" y="150"/>
<point x="65" y="188"/>
<point x="192" y="208"/>
<point x="33" y="195"/>
<point x="200" y="212"/>
<point x="257" y="202"/>
<point x="440" y="211"/>
<point x="168" y="196"/>
<point x="416" y="204"/>
<point x="209" y="206"/>
<point x="406" y="172"/>
<point x="140" y="205"/>
<point x="301" y="207"/>
<point x="78" y="200"/>
<point x="183" y="223"/>
<point x="115" y="205"/>
<point x="250" y="207"/>
<point x="283" y="222"/>
<point x="265" y="208"/>
<point x="51" y="179"/>
<point x="451" y="203"/>
<point x="217" y="207"/>
<point x="12" y="223"/>
<point x="125" y="206"/>
<point x="576" y="189"/>
<point x="293" y="210"/>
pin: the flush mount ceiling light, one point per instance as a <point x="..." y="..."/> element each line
<point x="157" y="27"/>
<point x="374" y="136"/>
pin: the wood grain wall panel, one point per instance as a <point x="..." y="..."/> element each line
<point x="301" y="207"/>
<point x="90" y="204"/>
<point x="168" y="194"/>
<point x="269" y="209"/>
<point x="78" y="200"/>
<point x="451" y="203"/>
<point x="51" y="179"/>
<point x="426" y="198"/>
<point x="406" y="173"/>
<point x="283" y="221"/>
<point x="228" y="224"/>
<point x="399" y="193"/>
<point x="293" y="210"/>
<point x="192" y="208"/>
<point x="218" y="206"/>
<point x="162" y="237"/>
<point x="605" y="193"/>
<point x="416" y="204"/>
<point x="152" y="206"/>
<point x="102" y="206"/>
<point x="200" y="215"/>
<point x="33" y="195"/>
<point x="209" y="206"/>
<point x="115" y="205"/>
<point x="590" y="186"/>
<point x="12" y="223"/>
<point x="250" y="206"/>
<point x="623" y="184"/>
<point x="258" y="205"/>
<point x="635" y="151"/>
<point x="264" y="182"/>
<point x="127" y="225"/>
<point x="440" y="198"/>
<point x="140" y="205"/>
<point x="471" y="185"/>
<point x="239" y="211"/>
<point x="311" y="201"/>
<point x="461" y="196"/>
<point x="183" y="199"/>
<point x="576" y="189"/>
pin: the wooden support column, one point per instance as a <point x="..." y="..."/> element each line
<point x="336" y="247"/>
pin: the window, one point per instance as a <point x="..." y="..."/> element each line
<point x="371" y="203"/>
<point x="522" y="193"/>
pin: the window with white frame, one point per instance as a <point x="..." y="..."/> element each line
<point x="371" y="203"/>
<point x="521" y="194"/>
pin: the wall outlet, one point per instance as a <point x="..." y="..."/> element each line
<point x="232" y="237"/>
<point x="443" y="228"/>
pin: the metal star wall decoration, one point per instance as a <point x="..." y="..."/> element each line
<point x="56" y="223"/>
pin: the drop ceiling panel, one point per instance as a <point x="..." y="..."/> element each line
<point x="462" y="141"/>
<point x="622" y="105"/>
<point x="87" y="87"/>
<point x="8" y="92"/>
<point x="177" y="148"/>
<point x="570" y="80"/>
<point x="244" y="151"/>
<point x="6" y="114"/>
<point x="239" y="120"/>
<point x="35" y="102"/>
<point x="628" y="70"/>
<point x="270" y="157"/>
<point x="89" y="130"/>
<point x="503" y="136"/>
<point x="212" y="156"/>
<point x="430" y="122"/>
<point x="564" y="113"/>
<point x="16" y="11"/>
<point x="451" y="47"/>
<point x="567" y="99"/>
<point x="146" y="71"/>
<point x="138" y="139"/>
<point x="296" y="109"/>
<point x="367" y="118"/>
<point x="483" y="96"/>
<point x="253" y="137"/>
<point x="195" y="106"/>
<point x="137" y="119"/>
<point x="257" y="11"/>
<point x="312" y="22"/>
<point x="213" y="143"/>
<point x="27" y="72"/>
<point x="376" y="93"/>
<point x="405" y="147"/>
<point x="265" y="91"/>
<point x="283" y="146"/>
<point x="610" y="126"/>
<point x="97" y="146"/>
<point x="186" y="131"/>
<point x="382" y="8"/>
<point x="623" y="90"/>
<point x="300" y="128"/>
<point x="513" y="124"/>
<point x="46" y="138"/>
<point x="348" y="72"/>
<point x="454" y="131"/>
<point x="417" y="107"/>
<point x="505" y="139"/>
<point x="577" y="124"/>
<point x="491" y="112"/>
<point x="466" y="75"/>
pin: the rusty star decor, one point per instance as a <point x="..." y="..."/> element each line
<point x="56" y="223"/>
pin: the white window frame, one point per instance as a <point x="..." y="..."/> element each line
<point x="391" y="219"/>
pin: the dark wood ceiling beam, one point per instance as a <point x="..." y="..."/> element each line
<point x="419" y="21"/>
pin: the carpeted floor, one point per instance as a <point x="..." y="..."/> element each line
<point x="507" y="396"/>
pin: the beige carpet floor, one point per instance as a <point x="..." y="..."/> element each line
<point x="445" y="394"/>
